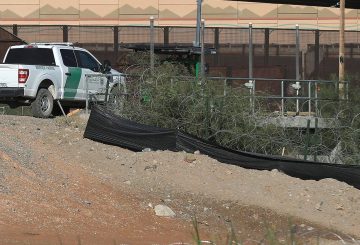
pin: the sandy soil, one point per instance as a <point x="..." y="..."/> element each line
<point x="58" y="188"/>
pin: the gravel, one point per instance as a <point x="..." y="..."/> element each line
<point x="69" y="181"/>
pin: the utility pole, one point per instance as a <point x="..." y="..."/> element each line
<point x="342" y="50"/>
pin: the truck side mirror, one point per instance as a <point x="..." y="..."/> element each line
<point x="106" y="67"/>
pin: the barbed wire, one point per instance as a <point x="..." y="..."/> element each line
<point x="226" y="115"/>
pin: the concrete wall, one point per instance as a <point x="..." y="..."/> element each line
<point x="169" y="12"/>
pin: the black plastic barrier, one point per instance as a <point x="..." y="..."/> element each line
<point x="106" y="127"/>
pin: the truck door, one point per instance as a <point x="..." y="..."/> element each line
<point x="90" y="65"/>
<point x="72" y="76"/>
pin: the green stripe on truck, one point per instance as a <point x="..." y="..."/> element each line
<point x="72" y="83"/>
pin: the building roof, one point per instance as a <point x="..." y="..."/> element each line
<point x="351" y="4"/>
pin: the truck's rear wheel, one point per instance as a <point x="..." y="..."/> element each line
<point x="43" y="105"/>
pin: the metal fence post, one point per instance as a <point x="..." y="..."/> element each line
<point x="250" y="51"/>
<point x="116" y="41"/>
<point x="87" y="93"/>
<point x="15" y="29"/>
<point x="252" y="90"/>
<point x="253" y="95"/>
<point x="297" y="33"/>
<point x="216" y="44"/>
<point x="217" y="38"/>
<point x="65" y="34"/>
<point x="317" y="137"/>
<point x="297" y="67"/>
<point x="342" y="50"/>
<point x="166" y="35"/>
<point x="309" y="91"/>
<point x="267" y="46"/>
<point x="282" y="98"/>
<point x="198" y="22"/>
<point x="307" y="140"/>
<point x="316" y="100"/>
<point x="317" y="54"/>
<point x="202" y="51"/>
<point x="152" y="43"/>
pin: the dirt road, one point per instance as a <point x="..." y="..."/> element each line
<point x="57" y="186"/>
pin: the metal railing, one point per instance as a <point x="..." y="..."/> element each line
<point x="309" y="88"/>
<point x="101" y="88"/>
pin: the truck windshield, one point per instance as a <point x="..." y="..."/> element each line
<point x="30" y="56"/>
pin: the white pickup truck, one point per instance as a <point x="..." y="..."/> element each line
<point x="41" y="73"/>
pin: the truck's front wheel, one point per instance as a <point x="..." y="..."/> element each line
<point x="43" y="105"/>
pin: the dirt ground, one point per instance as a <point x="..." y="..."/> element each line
<point x="58" y="188"/>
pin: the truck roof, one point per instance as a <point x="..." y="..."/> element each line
<point x="46" y="45"/>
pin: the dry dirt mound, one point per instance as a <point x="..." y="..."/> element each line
<point x="56" y="185"/>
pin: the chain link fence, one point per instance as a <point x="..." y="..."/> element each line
<point x="274" y="49"/>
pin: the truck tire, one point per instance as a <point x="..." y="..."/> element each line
<point x="43" y="105"/>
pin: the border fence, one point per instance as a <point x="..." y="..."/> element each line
<point x="274" y="50"/>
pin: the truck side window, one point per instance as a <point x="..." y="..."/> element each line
<point x="87" y="61"/>
<point x="68" y="57"/>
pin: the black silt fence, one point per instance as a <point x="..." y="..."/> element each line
<point x="106" y="127"/>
